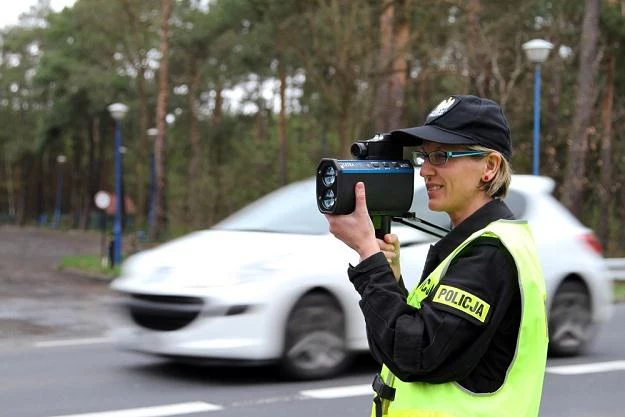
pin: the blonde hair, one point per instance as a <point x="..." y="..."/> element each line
<point x="496" y="187"/>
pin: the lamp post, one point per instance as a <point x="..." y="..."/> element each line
<point x="537" y="51"/>
<point x="152" y="134"/>
<point x="118" y="111"/>
<point x="60" y="159"/>
<point x="122" y="155"/>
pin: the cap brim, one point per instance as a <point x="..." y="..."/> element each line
<point x="414" y="136"/>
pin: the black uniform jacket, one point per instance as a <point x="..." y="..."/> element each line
<point x="439" y="343"/>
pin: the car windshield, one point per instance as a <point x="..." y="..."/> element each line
<point x="291" y="209"/>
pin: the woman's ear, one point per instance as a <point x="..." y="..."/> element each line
<point x="491" y="167"/>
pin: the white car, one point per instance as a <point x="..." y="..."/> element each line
<point x="269" y="284"/>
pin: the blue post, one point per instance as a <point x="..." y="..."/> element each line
<point x="536" y="118"/>
<point x="117" y="225"/>
<point x="59" y="196"/>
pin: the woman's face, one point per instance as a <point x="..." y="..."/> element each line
<point x="454" y="186"/>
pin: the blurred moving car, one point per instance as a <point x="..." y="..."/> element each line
<point x="269" y="284"/>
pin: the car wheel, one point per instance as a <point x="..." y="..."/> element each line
<point x="314" y="344"/>
<point x="570" y="320"/>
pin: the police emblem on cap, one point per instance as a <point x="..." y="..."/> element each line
<point x="442" y="108"/>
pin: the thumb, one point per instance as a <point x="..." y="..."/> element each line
<point x="361" y="198"/>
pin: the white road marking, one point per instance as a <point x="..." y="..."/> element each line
<point x="160" y="411"/>
<point x="339" y="392"/>
<point x="587" y="368"/>
<point x="72" y="342"/>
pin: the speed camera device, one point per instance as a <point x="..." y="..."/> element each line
<point x="388" y="179"/>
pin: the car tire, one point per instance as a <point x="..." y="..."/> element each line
<point x="314" y="342"/>
<point x="570" y="320"/>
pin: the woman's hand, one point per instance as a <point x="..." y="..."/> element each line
<point x="356" y="229"/>
<point x="390" y="248"/>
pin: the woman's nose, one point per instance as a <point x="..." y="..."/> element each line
<point x="426" y="169"/>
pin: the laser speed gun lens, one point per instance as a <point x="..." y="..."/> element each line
<point x="328" y="200"/>
<point x="329" y="176"/>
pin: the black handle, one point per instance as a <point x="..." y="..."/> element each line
<point x="382" y="225"/>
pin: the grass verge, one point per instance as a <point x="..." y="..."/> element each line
<point x="619" y="291"/>
<point x="89" y="265"/>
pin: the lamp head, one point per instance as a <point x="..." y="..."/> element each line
<point x="118" y="110"/>
<point x="537" y="50"/>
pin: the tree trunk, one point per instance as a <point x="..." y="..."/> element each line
<point x="196" y="151"/>
<point x="10" y="184"/>
<point x="575" y="177"/>
<point x="218" y="103"/>
<point x="345" y="139"/>
<point x="259" y="122"/>
<point x="215" y="155"/>
<point x="282" y="123"/>
<point x="553" y="167"/>
<point x="160" y="144"/>
<point x="423" y="93"/>
<point x="606" y="188"/>
<point x="392" y="68"/>
<point x="22" y="170"/>
<point x="38" y="196"/>
<point x="476" y="59"/>
<point x="381" y="104"/>
<point x="89" y="187"/>
<point x="77" y="181"/>
<point x="399" y="77"/>
<point x="143" y="159"/>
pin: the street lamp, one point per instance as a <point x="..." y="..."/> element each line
<point x="537" y="51"/>
<point x="122" y="152"/>
<point x="152" y="134"/>
<point x="118" y="111"/>
<point x="60" y="159"/>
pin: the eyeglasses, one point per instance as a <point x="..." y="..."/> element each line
<point x="441" y="157"/>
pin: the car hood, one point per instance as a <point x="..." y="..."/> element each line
<point x="218" y="257"/>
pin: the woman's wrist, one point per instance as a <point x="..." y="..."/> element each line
<point x="368" y="251"/>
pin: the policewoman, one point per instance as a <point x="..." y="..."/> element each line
<point x="471" y="339"/>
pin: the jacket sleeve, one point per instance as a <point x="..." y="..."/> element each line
<point x="421" y="344"/>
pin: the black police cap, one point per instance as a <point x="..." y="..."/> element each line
<point x="463" y="120"/>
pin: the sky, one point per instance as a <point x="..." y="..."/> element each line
<point x="10" y="10"/>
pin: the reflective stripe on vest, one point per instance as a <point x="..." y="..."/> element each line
<point x="520" y="394"/>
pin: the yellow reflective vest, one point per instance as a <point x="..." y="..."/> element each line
<point x="520" y="394"/>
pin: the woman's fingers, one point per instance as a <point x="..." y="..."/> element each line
<point x="361" y="199"/>
<point x="385" y="246"/>
<point x="355" y="229"/>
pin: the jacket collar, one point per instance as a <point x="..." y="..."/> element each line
<point x="488" y="213"/>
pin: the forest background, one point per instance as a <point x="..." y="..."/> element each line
<point x="244" y="96"/>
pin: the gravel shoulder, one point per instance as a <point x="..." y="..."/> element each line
<point x="39" y="301"/>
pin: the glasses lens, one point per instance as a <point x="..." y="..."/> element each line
<point x="438" y="157"/>
<point x="418" y="158"/>
<point x="328" y="200"/>
<point x="329" y="176"/>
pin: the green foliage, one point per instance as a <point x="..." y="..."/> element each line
<point x="57" y="79"/>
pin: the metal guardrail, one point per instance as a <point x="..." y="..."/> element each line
<point x="616" y="267"/>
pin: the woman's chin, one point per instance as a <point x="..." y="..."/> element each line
<point x="432" y="206"/>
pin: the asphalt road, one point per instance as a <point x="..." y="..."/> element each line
<point x="39" y="301"/>
<point x="91" y="378"/>
<point x="56" y="359"/>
